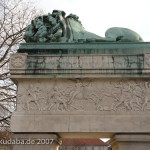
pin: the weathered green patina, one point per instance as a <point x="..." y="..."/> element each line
<point x="53" y="48"/>
<point x="59" y="46"/>
<point x="85" y="60"/>
<point x="56" y="27"/>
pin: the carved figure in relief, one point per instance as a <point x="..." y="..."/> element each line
<point x="18" y="61"/>
<point x="130" y="96"/>
<point x="120" y="95"/>
<point x="77" y="91"/>
<point x="147" y="94"/>
<point x="57" y="99"/>
<point x="96" y="98"/>
<point x="136" y="100"/>
<point x="33" y="96"/>
<point x="30" y="96"/>
<point x="63" y="99"/>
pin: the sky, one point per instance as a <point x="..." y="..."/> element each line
<point x="99" y="15"/>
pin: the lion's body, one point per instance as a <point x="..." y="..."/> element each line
<point x="122" y="34"/>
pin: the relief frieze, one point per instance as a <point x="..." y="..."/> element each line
<point x="73" y="95"/>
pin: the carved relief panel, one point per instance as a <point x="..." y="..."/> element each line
<point x="85" y="95"/>
<point x="18" y="61"/>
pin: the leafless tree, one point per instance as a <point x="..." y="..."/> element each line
<point x="15" y="15"/>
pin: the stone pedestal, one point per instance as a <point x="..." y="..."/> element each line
<point x="82" y="88"/>
<point x="35" y="141"/>
<point x="130" y="142"/>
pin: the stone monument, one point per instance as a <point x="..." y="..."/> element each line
<point x="75" y="83"/>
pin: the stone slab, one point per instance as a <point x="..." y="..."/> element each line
<point x="84" y="96"/>
<point x="80" y="123"/>
<point x="79" y="66"/>
<point x="86" y="48"/>
<point x="82" y="105"/>
<point x="82" y="88"/>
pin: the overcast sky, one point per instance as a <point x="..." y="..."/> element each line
<point x="99" y="15"/>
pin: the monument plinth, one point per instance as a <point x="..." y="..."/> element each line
<point x="83" y="60"/>
<point x="97" y="87"/>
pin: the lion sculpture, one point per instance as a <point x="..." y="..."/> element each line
<point x="56" y="27"/>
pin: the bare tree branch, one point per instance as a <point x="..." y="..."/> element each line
<point x="15" y="15"/>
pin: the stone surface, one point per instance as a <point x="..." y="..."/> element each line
<point x="95" y="60"/>
<point x="82" y="105"/>
<point x="130" y="142"/>
<point x="82" y="89"/>
<point x="83" y="95"/>
<point x="101" y="123"/>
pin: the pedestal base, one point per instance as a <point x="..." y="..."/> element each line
<point x="130" y="142"/>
